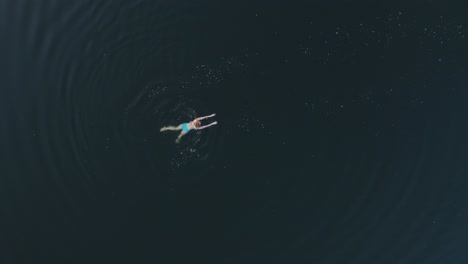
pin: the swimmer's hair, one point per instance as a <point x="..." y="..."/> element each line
<point x="196" y="123"/>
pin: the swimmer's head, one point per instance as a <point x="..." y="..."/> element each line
<point x="196" y="123"/>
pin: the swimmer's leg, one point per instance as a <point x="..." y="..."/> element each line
<point x="180" y="136"/>
<point x="179" y="127"/>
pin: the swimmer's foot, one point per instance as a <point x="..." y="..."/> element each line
<point x="162" y="129"/>
<point x="177" y="141"/>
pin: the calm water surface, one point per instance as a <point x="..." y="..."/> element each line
<point x="341" y="136"/>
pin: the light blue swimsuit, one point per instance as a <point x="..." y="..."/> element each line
<point x="185" y="127"/>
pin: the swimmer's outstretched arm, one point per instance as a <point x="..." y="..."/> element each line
<point x="212" y="124"/>
<point x="203" y="117"/>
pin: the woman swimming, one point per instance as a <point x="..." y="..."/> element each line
<point x="186" y="127"/>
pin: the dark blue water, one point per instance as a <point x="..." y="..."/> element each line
<point x="341" y="135"/>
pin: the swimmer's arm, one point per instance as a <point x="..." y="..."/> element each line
<point x="203" y="117"/>
<point x="212" y="124"/>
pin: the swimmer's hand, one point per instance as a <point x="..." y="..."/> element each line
<point x="177" y="141"/>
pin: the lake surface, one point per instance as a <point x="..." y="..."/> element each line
<point x="341" y="135"/>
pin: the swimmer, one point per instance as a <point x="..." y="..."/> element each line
<point x="186" y="127"/>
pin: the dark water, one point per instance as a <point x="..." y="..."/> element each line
<point x="341" y="136"/>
